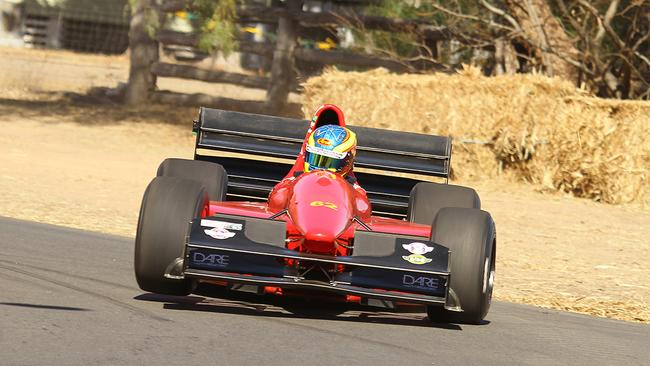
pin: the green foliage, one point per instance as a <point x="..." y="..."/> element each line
<point x="404" y="45"/>
<point x="151" y="22"/>
<point x="216" y="21"/>
<point x="394" y="9"/>
<point x="151" y="18"/>
<point x="396" y="44"/>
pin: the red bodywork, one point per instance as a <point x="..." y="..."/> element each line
<point x="321" y="209"/>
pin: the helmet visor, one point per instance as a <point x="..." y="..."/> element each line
<point x="319" y="158"/>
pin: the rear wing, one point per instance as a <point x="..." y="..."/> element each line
<point x="257" y="151"/>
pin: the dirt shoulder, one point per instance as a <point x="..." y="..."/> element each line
<point x="86" y="166"/>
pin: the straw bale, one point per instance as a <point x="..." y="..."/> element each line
<point x="538" y="129"/>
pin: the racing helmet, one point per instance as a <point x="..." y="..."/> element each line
<point x="332" y="148"/>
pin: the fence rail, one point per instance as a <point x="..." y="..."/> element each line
<point x="285" y="52"/>
<point x="263" y="14"/>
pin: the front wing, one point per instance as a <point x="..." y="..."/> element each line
<point x="252" y="251"/>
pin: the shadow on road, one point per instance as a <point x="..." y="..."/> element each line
<point x="231" y="302"/>
<point x="41" y="306"/>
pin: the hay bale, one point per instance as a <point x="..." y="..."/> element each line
<point x="538" y="129"/>
<point x="601" y="150"/>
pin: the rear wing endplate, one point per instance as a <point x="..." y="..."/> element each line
<point x="257" y="151"/>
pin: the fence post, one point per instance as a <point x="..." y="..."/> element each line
<point x="143" y="53"/>
<point x="282" y="69"/>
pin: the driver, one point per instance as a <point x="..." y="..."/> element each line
<point x="331" y="148"/>
<point x="328" y="147"/>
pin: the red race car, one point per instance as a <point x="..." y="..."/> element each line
<point x="255" y="209"/>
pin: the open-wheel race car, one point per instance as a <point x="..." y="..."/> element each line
<point x="247" y="212"/>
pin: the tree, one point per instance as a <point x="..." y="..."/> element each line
<point x="602" y="44"/>
<point x="216" y="24"/>
<point x="540" y="29"/>
<point x="143" y="53"/>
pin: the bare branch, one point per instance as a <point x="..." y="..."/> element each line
<point x="471" y="17"/>
<point x="609" y="15"/>
<point x="619" y="42"/>
<point x="565" y="11"/>
<point x="502" y="13"/>
<point x="641" y="41"/>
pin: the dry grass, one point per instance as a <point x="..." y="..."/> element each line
<point x="534" y="128"/>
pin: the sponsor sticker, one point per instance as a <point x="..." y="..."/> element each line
<point x="417" y="248"/>
<point x="222" y="224"/>
<point x="219" y="233"/>
<point x="420" y="282"/>
<point x="325" y="152"/>
<point x="416" y="259"/>
<point x="211" y="260"/>
<point x="323" y="204"/>
<point x="323" y="141"/>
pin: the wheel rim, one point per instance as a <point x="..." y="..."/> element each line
<point x="488" y="278"/>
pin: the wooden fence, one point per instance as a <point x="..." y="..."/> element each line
<point x="146" y="65"/>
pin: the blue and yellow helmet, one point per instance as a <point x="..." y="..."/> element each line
<point x="332" y="148"/>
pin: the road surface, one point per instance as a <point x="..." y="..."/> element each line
<point x="68" y="297"/>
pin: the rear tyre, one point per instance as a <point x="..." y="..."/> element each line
<point x="168" y="205"/>
<point x="212" y="176"/>
<point x="427" y="199"/>
<point x="470" y="236"/>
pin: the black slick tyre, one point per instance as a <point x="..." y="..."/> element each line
<point x="168" y="205"/>
<point x="470" y="236"/>
<point x="426" y="199"/>
<point x="212" y="176"/>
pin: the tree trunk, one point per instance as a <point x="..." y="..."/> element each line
<point x="505" y="58"/>
<point x="545" y="34"/>
<point x="282" y="69"/>
<point x="143" y="54"/>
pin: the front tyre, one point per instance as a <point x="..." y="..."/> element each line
<point x="427" y="198"/>
<point x="212" y="176"/>
<point x="168" y="205"/>
<point x="470" y="236"/>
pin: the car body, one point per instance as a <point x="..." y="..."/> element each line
<point x="330" y="237"/>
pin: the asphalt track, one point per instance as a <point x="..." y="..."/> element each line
<point x="68" y="297"/>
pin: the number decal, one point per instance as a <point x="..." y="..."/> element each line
<point x="324" y="142"/>
<point x="323" y="204"/>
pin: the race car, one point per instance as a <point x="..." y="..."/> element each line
<point x="416" y="243"/>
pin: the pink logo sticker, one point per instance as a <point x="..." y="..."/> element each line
<point x="417" y="248"/>
<point x="219" y="233"/>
